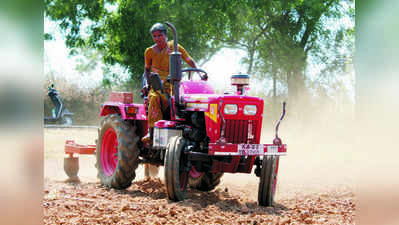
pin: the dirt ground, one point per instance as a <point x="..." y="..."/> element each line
<point x="314" y="187"/>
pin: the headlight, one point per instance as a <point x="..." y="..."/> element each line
<point x="250" y="110"/>
<point x="230" y="109"/>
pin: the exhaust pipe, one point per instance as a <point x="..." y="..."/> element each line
<point x="277" y="140"/>
<point x="175" y="66"/>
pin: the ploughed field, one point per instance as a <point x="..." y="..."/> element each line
<point x="313" y="188"/>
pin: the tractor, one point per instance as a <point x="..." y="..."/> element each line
<point x="203" y="136"/>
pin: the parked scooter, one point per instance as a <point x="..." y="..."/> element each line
<point x="59" y="114"/>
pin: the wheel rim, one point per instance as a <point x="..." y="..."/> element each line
<point x="183" y="180"/>
<point x="274" y="186"/>
<point x="275" y="176"/>
<point x="183" y="172"/>
<point x="194" y="173"/>
<point x="109" y="152"/>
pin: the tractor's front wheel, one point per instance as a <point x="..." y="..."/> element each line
<point x="176" y="170"/>
<point x="117" y="153"/>
<point x="268" y="180"/>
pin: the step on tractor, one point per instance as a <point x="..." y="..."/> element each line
<point x="203" y="136"/>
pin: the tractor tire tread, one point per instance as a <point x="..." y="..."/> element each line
<point x="128" y="152"/>
<point x="172" y="173"/>
<point x="265" y="190"/>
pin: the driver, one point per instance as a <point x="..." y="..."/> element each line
<point x="157" y="61"/>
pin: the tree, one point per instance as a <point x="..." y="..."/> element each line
<point x="287" y="36"/>
<point x="279" y="36"/>
<point x="119" y="30"/>
<point x="302" y="29"/>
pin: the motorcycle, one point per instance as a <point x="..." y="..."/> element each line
<point x="59" y="114"/>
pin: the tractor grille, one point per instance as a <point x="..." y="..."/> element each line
<point x="241" y="131"/>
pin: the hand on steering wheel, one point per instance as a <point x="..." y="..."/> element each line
<point x="203" y="75"/>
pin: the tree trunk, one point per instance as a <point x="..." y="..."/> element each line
<point x="251" y="53"/>
<point x="274" y="91"/>
<point x="291" y="81"/>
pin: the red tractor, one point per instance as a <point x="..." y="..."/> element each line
<point x="204" y="136"/>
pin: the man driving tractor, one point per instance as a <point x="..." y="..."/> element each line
<point x="201" y="137"/>
<point x="157" y="61"/>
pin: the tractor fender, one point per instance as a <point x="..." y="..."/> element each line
<point x="122" y="109"/>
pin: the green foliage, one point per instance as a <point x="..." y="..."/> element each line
<point x="279" y="36"/>
<point x="120" y="30"/>
<point x="48" y="37"/>
<point x="284" y="34"/>
<point x="87" y="60"/>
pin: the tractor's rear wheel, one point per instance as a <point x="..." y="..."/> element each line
<point x="268" y="180"/>
<point x="206" y="182"/>
<point x="117" y="153"/>
<point x="176" y="171"/>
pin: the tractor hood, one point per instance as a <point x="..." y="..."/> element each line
<point x="200" y="96"/>
<point x="253" y="106"/>
<point x="244" y="107"/>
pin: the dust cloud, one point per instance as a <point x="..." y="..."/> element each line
<point x="320" y="141"/>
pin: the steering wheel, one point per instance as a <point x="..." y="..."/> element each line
<point x="202" y="74"/>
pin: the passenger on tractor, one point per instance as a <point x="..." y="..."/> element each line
<point x="157" y="61"/>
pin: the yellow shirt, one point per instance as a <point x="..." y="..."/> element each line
<point x="159" y="62"/>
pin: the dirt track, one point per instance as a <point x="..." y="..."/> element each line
<point x="313" y="188"/>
